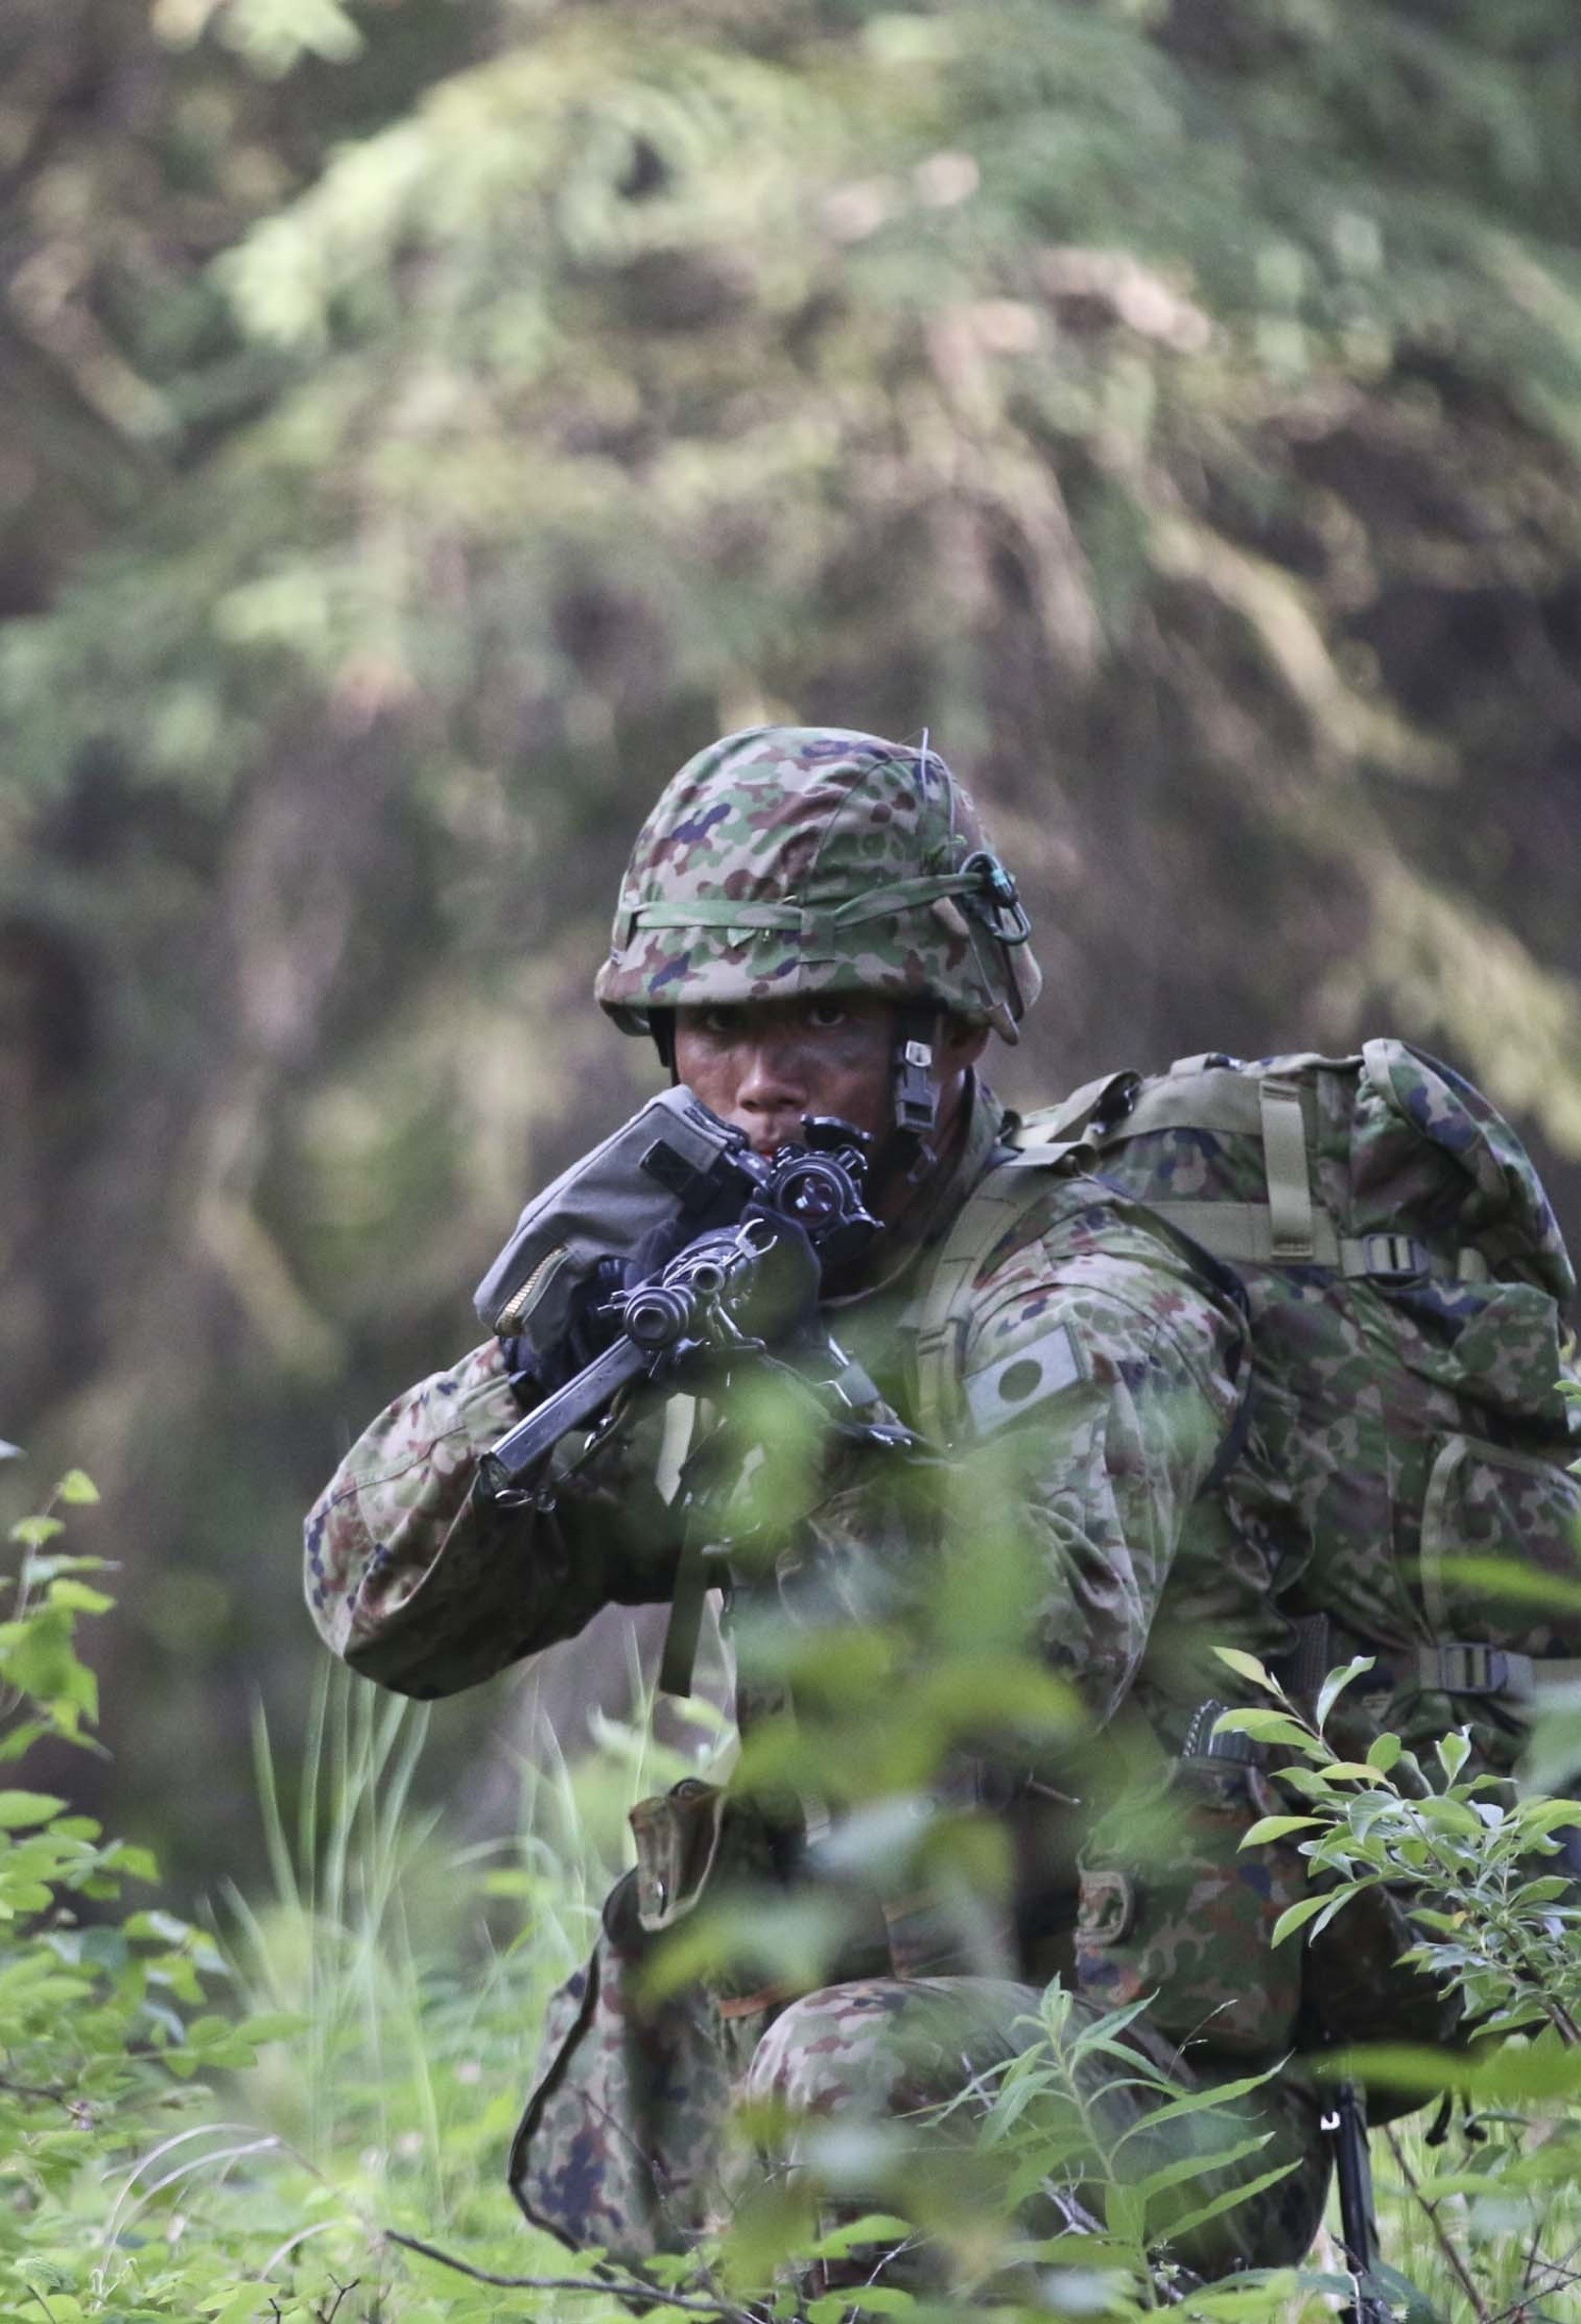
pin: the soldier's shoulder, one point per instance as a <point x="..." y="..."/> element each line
<point x="1039" y="1225"/>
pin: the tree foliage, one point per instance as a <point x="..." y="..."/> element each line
<point x="437" y="421"/>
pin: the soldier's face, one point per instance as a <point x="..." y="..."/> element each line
<point x="762" y="1065"/>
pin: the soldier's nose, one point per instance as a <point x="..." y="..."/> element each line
<point x="770" y="1081"/>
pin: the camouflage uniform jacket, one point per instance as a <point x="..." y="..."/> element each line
<point x="1134" y="1359"/>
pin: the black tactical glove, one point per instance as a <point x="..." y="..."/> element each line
<point x="593" y="1321"/>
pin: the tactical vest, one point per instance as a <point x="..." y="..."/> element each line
<point x="1403" y="1460"/>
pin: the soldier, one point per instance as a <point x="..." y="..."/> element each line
<point x="813" y="923"/>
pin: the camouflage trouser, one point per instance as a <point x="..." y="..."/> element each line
<point x="881" y="2054"/>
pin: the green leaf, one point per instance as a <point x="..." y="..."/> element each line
<point x="1228" y="2198"/>
<point x="1267" y="1727"/>
<point x="79" y="1598"/>
<point x="1512" y="2074"/>
<point x="77" y="1488"/>
<point x="873" y="2299"/>
<point x="873" y="2228"/>
<point x="1247" y="1666"/>
<point x="271" y="2025"/>
<point x="19" y="1809"/>
<point x="1195" y="2166"/>
<point x="1278" y="1827"/>
<point x="247" y="2301"/>
<point x="1334" y="1684"/>
<point x="1296" y="1917"/>
<point x="1385" y="1753"/>
<point x="33" y="1532"/>
<point x="1454" y="1751"/>
<point x="159" y="1927"/>
<point x="136" y="1863"/>
<point x="1540" y="1818"/>
<point x="1511" y="1583"/>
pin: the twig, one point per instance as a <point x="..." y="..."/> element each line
<point x="618" y="2287"/>
<point x="1443" y="2241"/>
<point x="1528" y="2269"/>
<point x="1563" y="2278"/>
<point x="33" y="2090"/>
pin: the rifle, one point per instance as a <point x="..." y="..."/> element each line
<point x="1346" y="2127"/>
<point x="721" y="1299"/>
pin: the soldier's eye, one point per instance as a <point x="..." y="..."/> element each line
<point x="828" y="1012"/>
<point x="721" y="1021"/>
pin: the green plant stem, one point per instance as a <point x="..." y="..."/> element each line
<point x="31" y="2090"/>
<point x="1446" y="2243"/>
<point x="616" y="2287"/>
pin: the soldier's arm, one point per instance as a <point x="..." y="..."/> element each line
<point x="418" y="1582"/>
<point x="1099" y="1384"/>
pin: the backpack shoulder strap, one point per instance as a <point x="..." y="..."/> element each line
<point x="1096" y="1101"/>
<point x="1013" y="1181"/>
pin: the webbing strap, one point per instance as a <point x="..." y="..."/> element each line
<point x="1226" y="1102"/>
<point x="1462" y="1666"/>
<point x="1284" y="1157"/>
<point x="1242" y="1234"/>
<point x="1054" y="1125"/>
<point x="1011" y="1186"/>
<point x="727" y="912"/>
<point x="1239" y="1234"/>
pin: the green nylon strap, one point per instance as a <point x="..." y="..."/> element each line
<point x="875" y="904"/>
<point x="1242" y="1234"/>
<point x="1011" y="1185"/>
<point x="1284" y="1157"/>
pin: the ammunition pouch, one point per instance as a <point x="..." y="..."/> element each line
<point x="1171" y="1907"/>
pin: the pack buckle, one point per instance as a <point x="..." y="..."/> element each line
<point x="1395" y="1259"/>
<point x="1472" y="1667"/>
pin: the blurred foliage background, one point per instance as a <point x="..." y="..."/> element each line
<point x="427" y="421"/>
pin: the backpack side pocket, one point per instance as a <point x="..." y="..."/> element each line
<point x="1187" y="1916"/>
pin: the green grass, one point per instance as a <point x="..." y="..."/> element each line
<point x="415" y="1971"/>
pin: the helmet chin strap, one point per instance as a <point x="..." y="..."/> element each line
<point x="909" y="1148"/>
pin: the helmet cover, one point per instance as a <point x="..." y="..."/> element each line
<point x="792" y="860"/>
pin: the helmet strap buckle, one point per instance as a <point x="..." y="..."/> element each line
<point x="916" y="1093"/>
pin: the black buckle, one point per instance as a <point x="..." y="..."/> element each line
<point x="1395" y="1259"/>
<point x="995" y="898"/>
<point x="1472" y="1667"/>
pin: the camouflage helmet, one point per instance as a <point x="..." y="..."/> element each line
<point x="811" y="858"/>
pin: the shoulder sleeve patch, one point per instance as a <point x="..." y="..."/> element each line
<point x="1027" y="1377"/>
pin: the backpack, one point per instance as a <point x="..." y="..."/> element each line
<point x="1401" y="1460"/>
